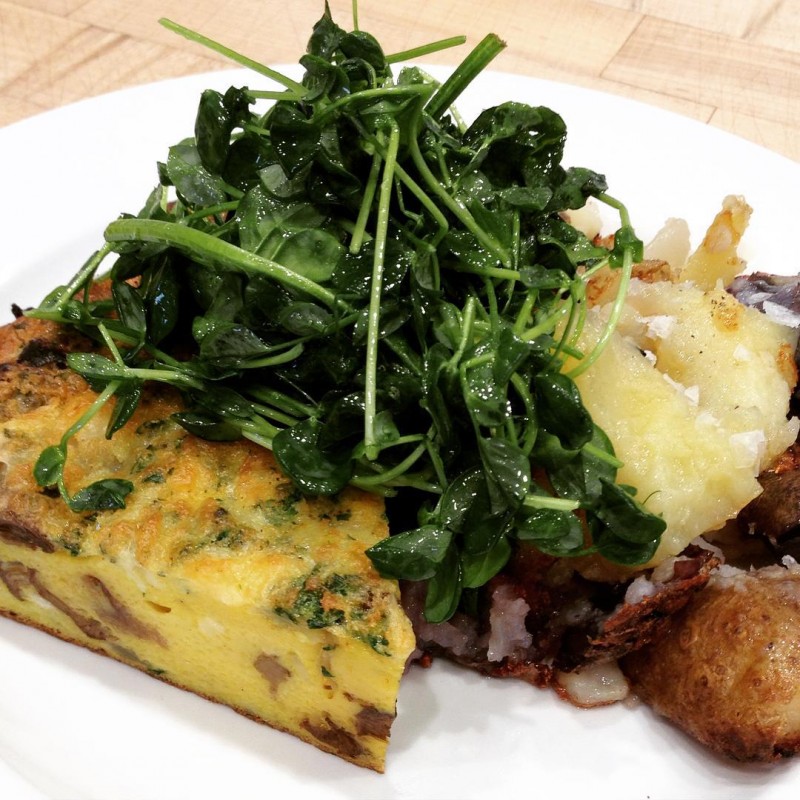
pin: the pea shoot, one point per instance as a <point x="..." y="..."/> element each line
<point x="381" y="294"/>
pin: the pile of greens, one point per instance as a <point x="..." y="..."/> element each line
<point x="385" y="297"/>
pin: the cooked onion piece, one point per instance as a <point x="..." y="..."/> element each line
<point x="599" y="684"/>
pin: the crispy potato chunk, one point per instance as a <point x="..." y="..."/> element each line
<point x="726" y="670"/>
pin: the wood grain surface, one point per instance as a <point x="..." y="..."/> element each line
<point x="735" y="65"/>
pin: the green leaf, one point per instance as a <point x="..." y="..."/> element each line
<point x="510" y="472"/>
<point x="511" y="132"/>
<point x="578" y="184"/>
<point x="485" y="399"/>
<point x="50" y="465"/>
<point x="130" y="307"/>
<point x="462" y="494"/>
<point x="527" y="199"/>
<point x="557" y="533"/>
<point x="162" y="291"/>
<point x="207" y="426"/>
<point x="294" y="137"/>
<point x="227" y="343"/>
<point x="414" y="555"/>
<point x="550" y="453"/>
<point x="620" y="551"/>
<point x="626" y="239"/>
<point x="312" y="253"/>
<point x="626" y="517"/>
<point x="580" y="477"/>
<point x="323" y="78"/>
<point x="264" y="221"/>
<point x="96" y="368"/>
<point x="305" y="319"/>
<point x="325" y="37"/>
<point x="226" y="402"/>
<point x="104" y="495"/>
<point x="126" y="401"/>
<point x="479" y="568"/>
<point x="194" y="183"/>
<point x="561" y="410"/>
<point x="444" y="588"/>
<point x="313" y="470"/>
<point x="217" y="115"/>
<point x="511" y="353"/>
<point x="568" y="247"/>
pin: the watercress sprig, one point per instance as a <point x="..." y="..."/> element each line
<point x="381" y="294"/>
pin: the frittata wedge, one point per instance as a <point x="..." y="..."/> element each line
<point x="218" y="576"/>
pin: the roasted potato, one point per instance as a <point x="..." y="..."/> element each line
<point x="726" y="671"/>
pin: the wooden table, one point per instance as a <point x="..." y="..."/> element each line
<point x="735" y="65"/>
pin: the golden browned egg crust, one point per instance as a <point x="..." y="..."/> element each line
<point x="218" y="576"/>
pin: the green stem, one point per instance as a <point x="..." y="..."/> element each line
<point x="212" y="211"/>
<point x="488" y="272"/>
<point x="164" y="376"/>
<point x="272" y="414"/>
<point x="547" y="325"/>
<point x="566" y="335"/>
<point x="280" y="358"/>
<point x="208" y="249"/>
<point x="266" y="94"/>
<point x="394" y="472"/>
<point x="110" y="344"/>
<point x="82" y="278"/>
<point x="555" y="503"/>
<point x="357" y="237"/>
<point x="416" y="190"/>
<point x="426" y="49"/>
<point x="258" y="438"/>
<point x="467" y="323"/>
<point x="524" y="315"/>
<point x="611" y="325"/>
<point x="602" y="455"/>
<point x="619" y="300"/>
<point x="483" y="54"/>
<point x="87" y="415"/>
<point x="372" y="95"/>
<point x="456" y="208"/>
<point x="491" y="302"/>
<point x="279" y="400"/>
<point x="531" y="428"/>
<point x="237" y="58"/>
<point x="376" y="289"/>
<point x="439" y="218"/>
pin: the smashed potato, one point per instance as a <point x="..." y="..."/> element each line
<point x="693" y="387"/>
<point x="693" y="391"/>
<point x="726" y="671"/>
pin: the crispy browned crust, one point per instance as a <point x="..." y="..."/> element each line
<point x="634" y="625"/>
<point x="726" y="669"/>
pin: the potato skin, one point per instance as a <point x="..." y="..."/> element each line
<point x="727" y="670"/>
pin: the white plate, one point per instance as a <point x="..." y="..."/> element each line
<point x="75" y="725"/>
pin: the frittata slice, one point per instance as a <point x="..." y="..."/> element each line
<point x="218" y="576"/>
